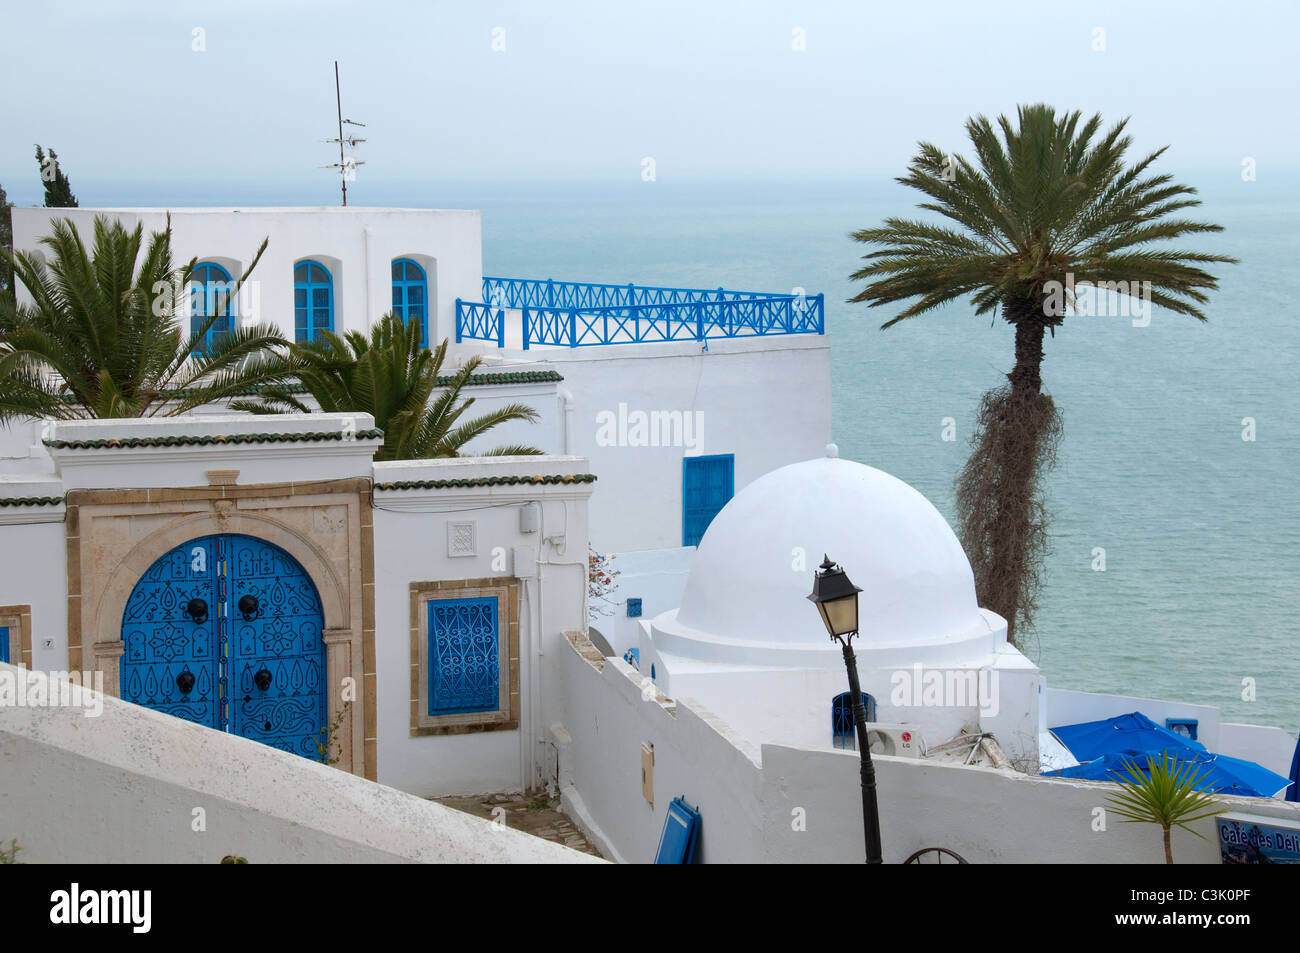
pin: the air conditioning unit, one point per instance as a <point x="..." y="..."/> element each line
<point x="899" y="741"/>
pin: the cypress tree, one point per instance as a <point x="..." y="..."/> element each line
<point x="58" y="191"/>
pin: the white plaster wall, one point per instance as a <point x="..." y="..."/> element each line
<point x="766" y="401"/>
<point x="657" y="577"/>
<point x="696" y="756"/>
<point x="801" y="804"/>
<point x="411" y="546"/>
<point x="124" y="787"/>
<point x="1073" y="708"/>
<point x="33" y="571"/>
<point x="1265" y="745"/>
<point x="363" y="241"/>
<point x="21" y="450"/>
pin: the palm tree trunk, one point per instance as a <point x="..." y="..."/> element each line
<point x="1169" y="853"/>
<point x="1018" y="451"/>
<point x="1026" y="377"/>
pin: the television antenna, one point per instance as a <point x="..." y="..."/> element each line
<point x="347" y="165"/>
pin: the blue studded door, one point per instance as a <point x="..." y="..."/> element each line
<point x="225" y="631"/>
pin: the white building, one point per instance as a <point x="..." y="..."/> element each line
<point x="430" y="621"/>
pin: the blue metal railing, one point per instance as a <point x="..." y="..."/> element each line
<point x="582" y="314"/>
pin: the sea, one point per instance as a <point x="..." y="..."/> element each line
<point x="1174" y="524"/>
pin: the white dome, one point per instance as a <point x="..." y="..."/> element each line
<point x="754" y="567"/>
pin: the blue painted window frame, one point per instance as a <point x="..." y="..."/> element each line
<point x="307" y="314"/>
<point x="203" y="299"/>
<point x="491" y="660"/>
<point x="4" y="643"/>
<point x="404" y="285"/>
<point x="690" y="538"/>
<point x="843" y="730"/>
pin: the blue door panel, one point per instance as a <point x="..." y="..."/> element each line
<point x="4" y="643"/>
<point x="707" y="484"/>
<point x="165" y="646"/>
<point x="281" y="636"/>
<point x="263" y="617"/>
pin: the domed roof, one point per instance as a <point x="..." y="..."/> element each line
<point x="753" y="571"/>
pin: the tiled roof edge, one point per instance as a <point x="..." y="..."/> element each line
<point x="184" y="440"/>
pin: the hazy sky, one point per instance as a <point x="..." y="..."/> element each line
<point x="589" y="89"/>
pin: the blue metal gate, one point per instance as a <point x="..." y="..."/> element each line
<point x="225" y="631"/>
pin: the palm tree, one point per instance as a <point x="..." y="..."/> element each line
<point x="390" y="376"/>
<point x="1045" y="206"/>
<point x="1165" y="793"/>
<point x="103" y="338"/>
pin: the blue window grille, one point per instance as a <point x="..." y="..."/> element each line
<point x="211" y="293"/>
<point x="634" y="608"/>
<point x="313" y="300"/>
<point x="4" y="643"/>
<point x="633" y="657"/>
<point x="411" y="295"/>
<point x="843" y="731"/>
<point x="707" y="484"/>
<point x="464" y="669"/>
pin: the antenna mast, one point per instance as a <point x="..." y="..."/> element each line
<point x="347" y="165"/>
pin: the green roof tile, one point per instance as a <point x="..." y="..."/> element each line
<point x="550" y="478"/>
<point x="126" y="443"/>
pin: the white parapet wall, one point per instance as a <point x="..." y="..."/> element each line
<point x="129" y="785"/>
<point x="790" y="803"/>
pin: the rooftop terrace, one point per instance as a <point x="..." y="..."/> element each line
<point x="522" y="313"/>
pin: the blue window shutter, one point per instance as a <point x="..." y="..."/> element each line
<point x="4" y="643"/>
<point x="410" y="288"/>
<point x="313" y="293"/>
<point x="209" y="289"/>
<point x="707" y="484"/>
<point x="464" y="674"/>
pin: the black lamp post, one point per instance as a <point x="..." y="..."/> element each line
<point x="836" y="599"/>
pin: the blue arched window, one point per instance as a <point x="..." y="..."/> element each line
<point x="313" y="300"/>
<point x="843" y="731"/>
<point x="411" y="295"/>
<point x="211" y="293"/>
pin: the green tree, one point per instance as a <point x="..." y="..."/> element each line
<point x="390" y="376"/>
<point x="58" y="191"/>
<point x="6" y="246"/>
<point x="1165" y="793"/>
<point x="103" y="338"/>
<point x="1045" y="206"/>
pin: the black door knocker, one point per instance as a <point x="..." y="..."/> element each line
<point x="248" y="607"/>
<point x="197" y="610"/>
<point x="262" y="679"/>
<point x="185" y="682"/>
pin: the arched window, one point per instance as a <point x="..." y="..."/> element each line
<point x="843" y="731"/>
<point x="313" y="300"/>
<point x="411" y="295"/>
<point x="211" y="293"/>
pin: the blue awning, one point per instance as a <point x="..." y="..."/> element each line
<point x="1108" y="747"/>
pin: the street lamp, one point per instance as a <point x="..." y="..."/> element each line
<point x="836" y="599"/>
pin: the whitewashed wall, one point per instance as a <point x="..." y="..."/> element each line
<point x="801" y="804"/>
<point x="135" y="786"/>
<point x="767" y="401"/>
<point x="411" y="546"/>
<point x="358" y="244"/>
<point x="33" y="570"/>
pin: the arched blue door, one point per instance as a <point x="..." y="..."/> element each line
<point x="225" y="631"/>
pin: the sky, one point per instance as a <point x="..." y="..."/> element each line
<point x="240" y="94"/>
